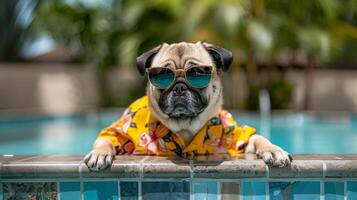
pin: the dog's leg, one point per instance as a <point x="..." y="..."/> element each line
<point x="270" y="153"/>
<point x="101" y="157"/>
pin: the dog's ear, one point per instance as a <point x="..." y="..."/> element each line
<point x="144" y="60"/>
<point x="222" y="58"/>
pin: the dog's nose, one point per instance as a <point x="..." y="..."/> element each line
<point x="179" y="89"/>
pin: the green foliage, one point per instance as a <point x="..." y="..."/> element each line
<point x="92" y="31"/>
<point x="257" y="31"/>
<point x="280" y="91"/>
<point x="115" y="34"/>
<point x="14" y="28"/>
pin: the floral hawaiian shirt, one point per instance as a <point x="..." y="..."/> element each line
<point x="138" y="132"/>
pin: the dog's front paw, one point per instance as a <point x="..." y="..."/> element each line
<point x="98" y="159"/>
<point x="274" y="156"/>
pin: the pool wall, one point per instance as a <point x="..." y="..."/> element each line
<point x="149" y="177"/>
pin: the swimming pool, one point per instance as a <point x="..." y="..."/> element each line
<point x="150" y="178"/>
<point x="64" y="177"/>
<point x="75" y="134"/>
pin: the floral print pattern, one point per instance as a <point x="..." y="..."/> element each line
<point x="138" y="132"/>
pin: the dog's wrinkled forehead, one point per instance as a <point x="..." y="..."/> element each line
<point x="181" y="55"/>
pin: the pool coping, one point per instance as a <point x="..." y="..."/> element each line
<point x="247" y="166"/>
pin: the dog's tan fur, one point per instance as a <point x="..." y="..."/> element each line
<point x="181" y="55"/>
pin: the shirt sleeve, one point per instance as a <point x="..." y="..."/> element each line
<point x="118" y="131"/>
<point x="236" y="137"/>
<point x="245" y="132"/>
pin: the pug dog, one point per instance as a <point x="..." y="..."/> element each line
<point x="182" y="113"/>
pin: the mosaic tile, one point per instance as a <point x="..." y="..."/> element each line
<point x="98" y="190"/>
<point x="165" y="190"/>
<point x="1" y="194"/>
<point x="279" y="190"/>
<point x="206" y="190"/>
<point x="352" y="190"/>
<point x="307" y="190"/>
<point x="129" y="190"/>
<point x="334" y="190"/>
<point x="37" y="190"/>
<point x="229" y="191"/>
<point x="253" y="190"/>
<point x="70" y="191"/>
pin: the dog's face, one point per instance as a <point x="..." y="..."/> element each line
<point x="182" y="101"/>
<point x="182" y="106"/>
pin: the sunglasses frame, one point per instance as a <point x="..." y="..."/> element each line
<point x="184" y="71"/>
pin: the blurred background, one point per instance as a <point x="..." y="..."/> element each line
<point x="73" y="56"/>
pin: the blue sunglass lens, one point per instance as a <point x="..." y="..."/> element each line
<point x="161" y="77"/>
<point x="199" y="77"/>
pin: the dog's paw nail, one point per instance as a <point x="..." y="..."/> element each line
<point x="108" y="161"/>
<point x="281" y="160"/>
<point x="268" y="158"/>
<point x="270" y="162"/>
<point x="90" y="164"/>
<point x="290" y="157"/>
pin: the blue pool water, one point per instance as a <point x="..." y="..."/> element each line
<point x="296" y="133"/>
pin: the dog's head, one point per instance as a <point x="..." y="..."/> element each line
<point x="181" y="106"/>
